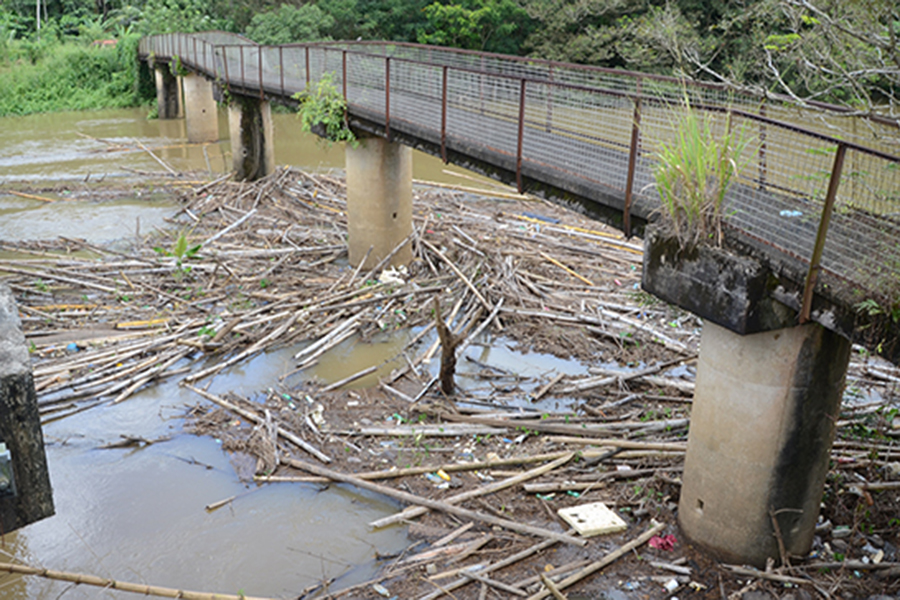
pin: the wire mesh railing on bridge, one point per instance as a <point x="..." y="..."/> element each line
<point x="601" y="128"/>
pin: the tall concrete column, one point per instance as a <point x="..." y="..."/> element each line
<point x="762" y="425"/>
<point x="200" y="109"/>
<point x="252" y="138"/>
<point x="379" y="200"/>
<point x="168" y="93"/>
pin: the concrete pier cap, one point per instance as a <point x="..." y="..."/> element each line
<point x="252" y="138"/>
<point x="200" y="114"/>
<point x="379" y="201"/>
<point x="766" y="401"/>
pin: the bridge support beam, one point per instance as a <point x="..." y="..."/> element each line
<point x="202" y="121"/>
<point x="762" y="426"/>
<point x="168" y="93"/>
<point x="252" y="138"/>
<point x="379" y="201"/>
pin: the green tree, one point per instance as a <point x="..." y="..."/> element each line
<point x="290" y="24"/>
<point x="489" y="25"/>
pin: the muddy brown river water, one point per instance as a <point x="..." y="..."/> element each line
<point x="138" y="514"/>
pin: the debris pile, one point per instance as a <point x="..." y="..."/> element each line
<point x="495" y="472"/>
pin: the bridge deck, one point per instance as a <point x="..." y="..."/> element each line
<point x="574" y="129"/>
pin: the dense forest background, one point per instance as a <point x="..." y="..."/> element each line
<point x="812" y="50"/>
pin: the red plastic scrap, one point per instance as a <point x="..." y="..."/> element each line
<point x="665" y="542"/>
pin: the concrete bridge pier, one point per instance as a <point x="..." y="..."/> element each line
<point x="379" y="201"/>
<point x="202" y="122"/>
<point x="762" y="425"/>
<point x="168" y="93"/>
<point x="766" y="402"/>
<point x="252" y="138"/>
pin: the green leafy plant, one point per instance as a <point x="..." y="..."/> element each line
<point x="323" y="110"/>
<point x="181" y="252"/>
<point x="694" y="172"/>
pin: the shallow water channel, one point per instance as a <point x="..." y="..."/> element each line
<point x="138" y="514"/>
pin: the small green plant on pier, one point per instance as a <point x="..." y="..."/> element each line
<point x="695" y="170"/>
<point x="323" y="110"/>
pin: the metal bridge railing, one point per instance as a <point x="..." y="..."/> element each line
<point x="800" y="186"/>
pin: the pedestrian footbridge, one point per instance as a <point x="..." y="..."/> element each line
<point x="811" y="252"/>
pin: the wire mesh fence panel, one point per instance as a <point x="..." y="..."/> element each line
<point x="579" y="123"/>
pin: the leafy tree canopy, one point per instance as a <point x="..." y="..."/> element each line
<point x="290" y="24"/>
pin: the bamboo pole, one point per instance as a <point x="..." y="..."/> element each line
<point x="435" y="504"/>
<point x="113" y="584"/>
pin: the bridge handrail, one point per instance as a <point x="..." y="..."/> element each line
<point x="797" y="167"/>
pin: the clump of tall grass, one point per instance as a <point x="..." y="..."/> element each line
<point x="696" y="168"/>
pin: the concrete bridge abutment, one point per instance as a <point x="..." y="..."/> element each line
<point x="168" y="93"/>
<point x="252" y="138"/>
<point x="202" y="121"/>
<point x="379" y="201"/>
<point x="766" y="403"/>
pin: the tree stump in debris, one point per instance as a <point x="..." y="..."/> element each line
<point x="449" y="342"/>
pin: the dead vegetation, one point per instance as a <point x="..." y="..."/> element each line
<point x="251" y="268"/>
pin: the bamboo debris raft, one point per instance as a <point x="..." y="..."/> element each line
<point x="506" y="451"/>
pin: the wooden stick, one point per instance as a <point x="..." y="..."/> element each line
<point x="460" y="274"/>
<point x="156" y="158"/>
<point x="30" y="196"/>
<point x="415" y="511"/>
<point x="567" y="269"/>
<point x="509" y="560"/>
<point x="434" y="504"/>
<point x="137" y="588"/>
<point x="604" y="562"/>
<point x="541" y="392"/>
<point x="493" y="583"/>
<point x="258" y="420"/>
<point x="350" y="379"/>
<point x="548" y="583"/>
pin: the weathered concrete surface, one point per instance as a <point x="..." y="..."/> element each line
<point x="252" y="138"/>
<point x="201" y="120"/>
<point x="379" y="201"/>
<point x="762" y="425"/>
<point x="168" y="93"/>
<point x="729" y="290"/>
<point x="20" y="425"/>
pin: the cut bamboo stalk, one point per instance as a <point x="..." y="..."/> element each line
<point x="435" y="504"/>
<point x="415" y="511"/>
<point x="113" y="584"/>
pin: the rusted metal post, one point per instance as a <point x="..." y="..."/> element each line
<point x="387" y="98"/>
<point x="307" y="66"/>
<point x="521" y="136"/>
<point x="344" y="74"/>
<point x="225" y="63"/>
<point x="281" y="67"/>
<point x="548" y="127"/>
<point x="763" y="166"/>
<point x="814" y="262"/>
<point x="632" y="161"/>
<point x="243" y="82"/>
<point x="259" y="53"/>
<point x="195" y="51"/>
<point x="444" y="114"/>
